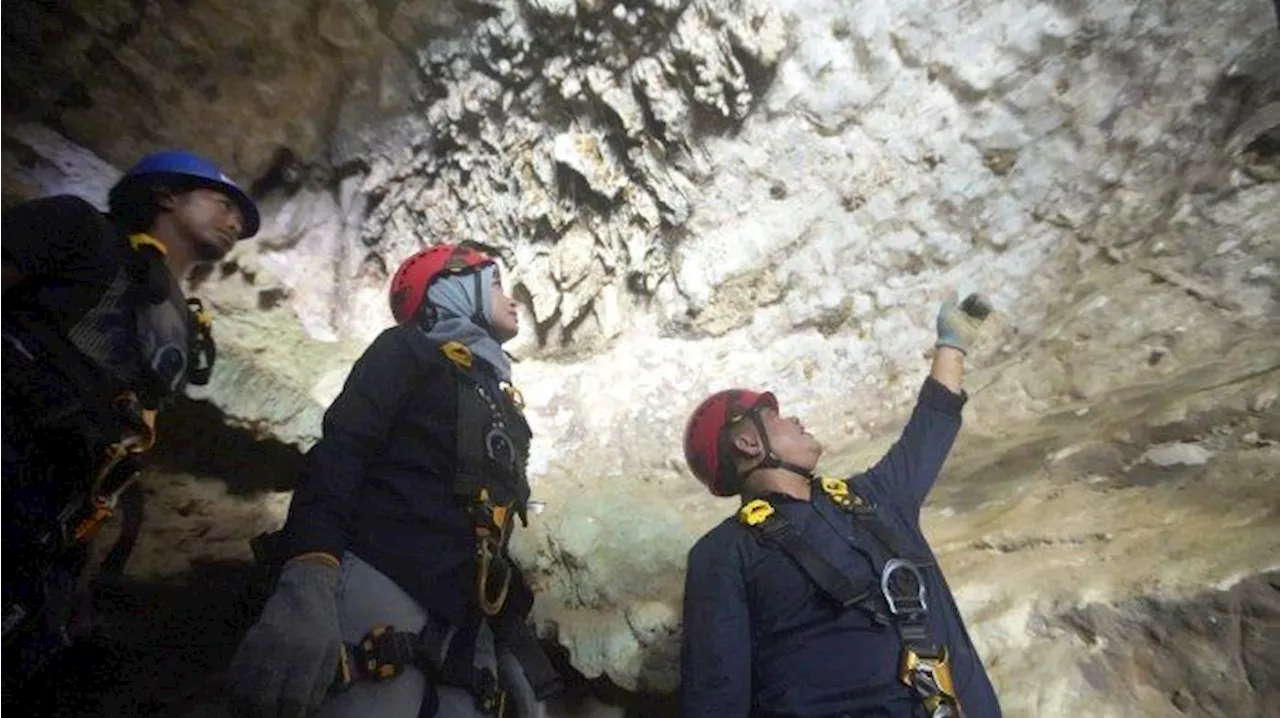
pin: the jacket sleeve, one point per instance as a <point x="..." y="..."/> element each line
<point x="356" y="428"/>
<point x="907" y="473"/>
<point x="61" y="236"/>
<point x="715" y="661"/>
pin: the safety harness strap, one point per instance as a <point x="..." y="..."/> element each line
<point x="490" y="485"/>
<point x="448" y="658"/>
<point x="898" y="598"/>
<point x="204" y="350"/>
<point x="538" y="670"/>
<point x="760" y="515"/>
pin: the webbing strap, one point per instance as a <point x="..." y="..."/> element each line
<point x="898" y="598"/>
<point x="828" y="578"/>
<point x="448" y="657"/>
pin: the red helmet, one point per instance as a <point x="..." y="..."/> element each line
<point x="415" y="275"/>
<point x="704" y="447"/>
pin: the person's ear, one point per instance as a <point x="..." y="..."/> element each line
<point x="165" y="197"/>
<point x="747" y="444"/>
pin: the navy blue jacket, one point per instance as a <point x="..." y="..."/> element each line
<point x="379" y="482"/>
<point x="100" y="316"/>
<point x="761" y="640"/>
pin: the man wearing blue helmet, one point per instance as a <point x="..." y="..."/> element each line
<point x="98" y="336"/>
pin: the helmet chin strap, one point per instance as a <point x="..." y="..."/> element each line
<point x="479" y="318"/>
<point x="771" y="460"/>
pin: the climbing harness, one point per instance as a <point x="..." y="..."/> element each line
<point x="490" y="480"/>
<point x="897" y="598"/>
<point x="168" y="330"/>
<point x="491" y="485"/>
<point x="63" y="540"/>
<point x="175" y="334"/>
<point x="116" y="469"/>
<point x="447" y="658"/>
<point x="204" y="352"/>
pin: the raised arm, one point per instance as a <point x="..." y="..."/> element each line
<point x="911" y="467"/>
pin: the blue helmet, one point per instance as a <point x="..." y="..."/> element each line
<point x="183" y="166"/>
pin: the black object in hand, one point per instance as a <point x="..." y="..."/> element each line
<point x="975" y="306"/>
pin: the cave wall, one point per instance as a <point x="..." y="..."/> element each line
<point x="694" y="195"/>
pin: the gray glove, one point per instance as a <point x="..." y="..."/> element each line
<point x="288" y="660"/>
<point x="958" y="326"/>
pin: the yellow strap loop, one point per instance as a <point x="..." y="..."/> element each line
<point x="458" y="353"/>
<point x="142" y="239"/>
<point x="838" y="491"/>
<point x="755" y="512"/>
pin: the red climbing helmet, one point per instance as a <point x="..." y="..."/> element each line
<point x="704" y="447"/>
<point x="415" y="275"/>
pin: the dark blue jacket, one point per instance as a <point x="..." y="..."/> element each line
<point x="68" y="312"/>
<point x="379" y="482"/>
<point x="760" y="639"/>
<point x="87" y="298"/>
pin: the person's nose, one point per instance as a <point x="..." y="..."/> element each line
<point x="235" y="222"/>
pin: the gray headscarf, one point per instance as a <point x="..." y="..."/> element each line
<point x="455" y="302"/>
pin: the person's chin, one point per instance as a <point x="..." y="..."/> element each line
<point x="213" y="250"/>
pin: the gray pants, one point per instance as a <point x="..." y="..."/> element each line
<point x="366" y="598"/>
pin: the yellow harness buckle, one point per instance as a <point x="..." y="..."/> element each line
<point x="755" y="512"/>
<point x="517" y="399"/>
<point x="838" y="491"/>
<point x="458" y="353"/>
<point x="930" y="677"/>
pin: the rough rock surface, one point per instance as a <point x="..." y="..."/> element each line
<point x="250" y="83"/>
<point x="712" y="193"/>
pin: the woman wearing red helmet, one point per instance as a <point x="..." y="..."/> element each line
<point x="821" y="596"/>
<point x="396" y="580"/>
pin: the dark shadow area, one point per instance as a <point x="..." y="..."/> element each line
<point x="157" y="648"/>
<point x="161" y="650"/>
<point x="195" y="439"/>
<point x="579" y="689"/>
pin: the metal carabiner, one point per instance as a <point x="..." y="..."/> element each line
<point x="895" y="603"/>
<point x="488" y="556"/>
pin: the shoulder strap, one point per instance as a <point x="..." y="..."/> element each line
<point x="760" y="516"/>
<point x="896" y="599"/>
<point x="867" y="515"/>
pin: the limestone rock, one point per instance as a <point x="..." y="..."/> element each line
<point x="596" y="121"/>
<point x="106" y="76"/>
<point x="588" y="155"/>
<point x="41" y="162"/>
<point x="792" y="192"/>
<point x="1178" y="454"/>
